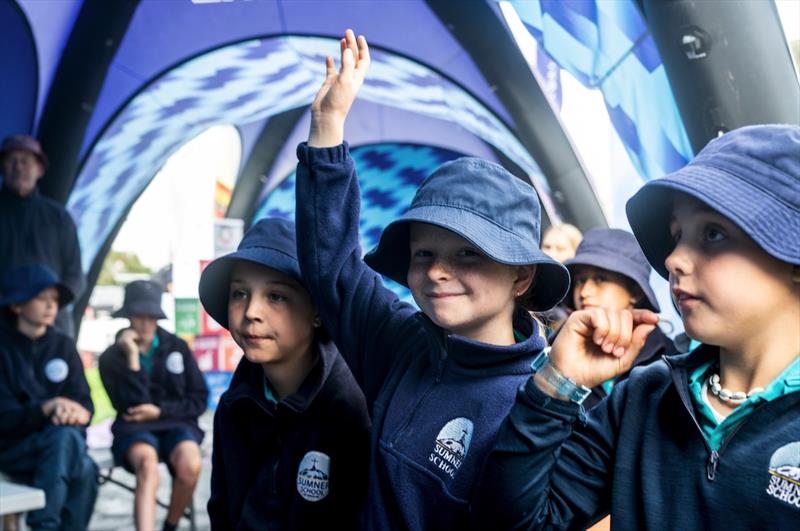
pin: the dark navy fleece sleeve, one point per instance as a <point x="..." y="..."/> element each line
<point x="218" y="510"/>
<point x="194" y="400"/>
<point x="364" y="317"/>
<point x="76" y="388"/>
<point x="125" y="387"/>
<point x="549" y="469"/>
<point x="16" y="418"/>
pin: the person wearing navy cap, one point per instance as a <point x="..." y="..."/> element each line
<point x="439" y="381"/>
<point x="291" y="434"/>
<point x="45" y="403"/>
<point x="610" y="271"/>
<point x="157" y="388"/>
<point x="704" y="440"/>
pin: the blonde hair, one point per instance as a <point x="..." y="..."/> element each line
<point x="570" y="232"/>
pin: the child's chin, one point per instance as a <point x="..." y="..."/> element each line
<point x="258" y="357"/>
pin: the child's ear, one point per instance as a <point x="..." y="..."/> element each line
<point x="16" y="309"/>
<point x="525" y="279"/>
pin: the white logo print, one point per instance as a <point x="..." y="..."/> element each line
<point x="175" y="362"/>
<point x="313" y="476"/>
<point x="452" y="445"/>
<point x="784" y="469"/>
<point x="56" y="370"/>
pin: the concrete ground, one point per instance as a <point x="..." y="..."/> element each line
<point x="114" y="508"/>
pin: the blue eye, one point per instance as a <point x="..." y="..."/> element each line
<point x="238" y="294"/>
<point x="467" y="253"/>
<point x="713" y="234"/>
<point x="276" y="297"/>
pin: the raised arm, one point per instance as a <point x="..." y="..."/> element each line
<point x="365" y="319"/>
<point x="551" y="466"/>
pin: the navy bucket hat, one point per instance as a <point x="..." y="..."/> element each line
<point x="142" y="297"/>
<point x="270" y="242"/>
<point x="23" y="283"/>
<point x="487" y="206"/>
<point x="750" y="175"/>
<point x="614" y="250"/>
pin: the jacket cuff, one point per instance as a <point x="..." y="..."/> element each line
<point x="532" y="396"/>
<point x="330" y="155"/>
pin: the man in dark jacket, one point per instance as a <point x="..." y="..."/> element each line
<point x="45" y="403"/>
<point x="158" y="391"/>
<point x="35" y="229"/>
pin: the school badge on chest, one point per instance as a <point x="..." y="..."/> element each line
<point x="313" y="476"/>
<point x="175" y="362"/>
<point x="784" y="471"/>
<point x="56" y="370"/>
<point x="452" y="445"/>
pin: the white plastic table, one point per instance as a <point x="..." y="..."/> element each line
<point x="16" y="498"/>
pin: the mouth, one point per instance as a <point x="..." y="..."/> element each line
<point x="682" y="297"/>
<point x="256" y="339"/>
<point x="442" y="295"/>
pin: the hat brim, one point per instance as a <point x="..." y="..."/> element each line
<point x="617" y="264"/>
<point x="140" y="308"/>
<point x="391" y="257"/>
<point x="650" y="213"/>
<point x="41" y="157"/>
<point x="65" y="295"/>
<point x="215" y="280"/>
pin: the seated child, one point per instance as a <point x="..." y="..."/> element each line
<point x="156" y="387"/>
<point x="440" y="381"/>
<point x="704" y="440"/>
<point x="291" y="441"/>
<point x="610" y="271"/>
<point x="45" y="404"/>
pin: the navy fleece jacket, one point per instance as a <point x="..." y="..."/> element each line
<point x="437" y="400"/>
<point x="260" y="479"/>
<point x="641" y="455"/>
<point x="32" y="372"/>
<point x="175" y="384"/>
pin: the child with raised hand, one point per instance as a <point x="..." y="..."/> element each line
<point x="291" y="434"/>
<point x="610" y="271"/>
<point x="45" y="402"/>
<point x="705" y="440"/>
<point x="440" y="381"/>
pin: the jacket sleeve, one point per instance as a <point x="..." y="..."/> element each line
<point x="71" y="269"/>
<point x="364" y="317"/>
<point x="18" y="418"/>
<point x="195" y="397"/>
<point x="125" y="387"/>
<point x="551" y="465"/>
<point x="218" y="512"/>
<point x="76" y="388"/>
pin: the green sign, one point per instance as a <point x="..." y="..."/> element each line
<point x="187" y="316"/>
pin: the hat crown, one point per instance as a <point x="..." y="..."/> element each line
<point x="764" y="156"/>
<point x="271" y="233"/>
<point x="485" y="189"/>
<point x="614" y="243"/>
<point x="142" y="291"/>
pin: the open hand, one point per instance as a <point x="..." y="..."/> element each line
<point x="338" y="92"/>
<point x="142" y="413"/>
<point x="596" y="345"/>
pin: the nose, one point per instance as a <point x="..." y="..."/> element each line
<point x="679" y="261"/>
<point x="439" y="269"/>
<point x="255" y="309"/>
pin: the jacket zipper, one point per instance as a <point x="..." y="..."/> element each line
<point x="441" y="341"/>
<point x="713" y="455"/>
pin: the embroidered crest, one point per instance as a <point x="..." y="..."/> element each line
<point x="452" y="445"/>
<point x="56" y="370"/>
<point x="175" y="362"/>
<point x="313" y="476"/>
<point x="784" y="471"/>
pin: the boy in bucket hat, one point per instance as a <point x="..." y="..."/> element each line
<point x="45" y="403"/>
<point x="725" y="231"/>
<point x="291" y="443"/>
<point x="438" y="382"/>
<point x="157" y="388"/>
<point x="610" y="271"/>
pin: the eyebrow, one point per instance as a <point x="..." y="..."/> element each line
<point x="290" y="285"/>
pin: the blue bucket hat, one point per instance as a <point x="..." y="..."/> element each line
<point x="487" y="206"/>
<point x="750" y="175"/>
<point x="614" y="250"/>
<point x="142" y="297"/>
<point x="270" y="242"/>
<point x="23" y="283"/>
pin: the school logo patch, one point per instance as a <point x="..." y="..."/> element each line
<point x="56" y="370"/>
<point x="313" y="476"/>
<point x="175" y="362"/>
<point x="784" y="471"/>
<point x="452" y="445"/>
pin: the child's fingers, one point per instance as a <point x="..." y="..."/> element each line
<point x="625" y="331"/>
<point x="644" y="317"/>
<point x="610" y="340"/>
<point x="599" y="321"/>
<point x="330" y="66"/>
<point x="350" y="38"/>
<point x="363" y="53"/>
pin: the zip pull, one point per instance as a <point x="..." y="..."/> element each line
<point x="711" y="466"/>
